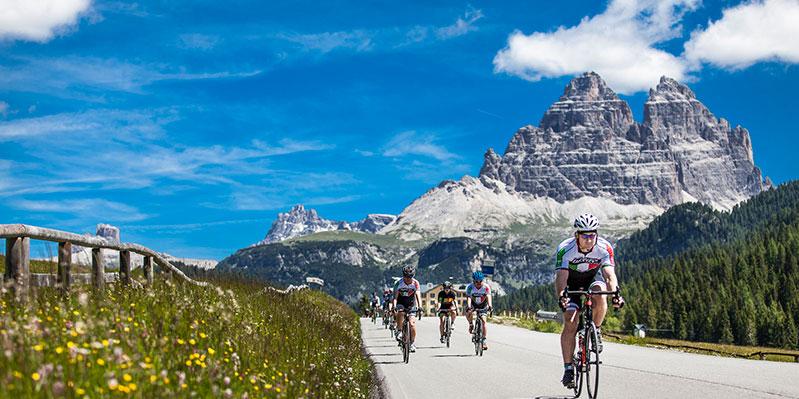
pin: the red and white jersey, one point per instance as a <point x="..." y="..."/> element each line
<point x="478" y="295"/>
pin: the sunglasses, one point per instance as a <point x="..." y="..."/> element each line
<point x="588" y="236"/>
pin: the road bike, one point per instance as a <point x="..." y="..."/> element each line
<point x="374" y="314"/>
<point x="405" y="342"/>
<point x="586" y="356"/>
<point x="477" y="332"/>
<point x="447" y="324"/>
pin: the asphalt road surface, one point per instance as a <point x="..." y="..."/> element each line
<point x="527" y="364"/>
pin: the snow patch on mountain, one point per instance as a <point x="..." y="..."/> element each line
<point x="300" y="222"/>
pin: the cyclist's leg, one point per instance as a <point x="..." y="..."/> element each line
<point x="452" y="315"/>
<point x="599" y="303"/>
<point x="441" y="316"/>
<point x="412" y="319"/>
<point x="400" y="315"/>
<point x="570" y="322"/>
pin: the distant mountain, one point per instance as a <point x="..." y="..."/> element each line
<point x="587" y="154"/>
<point x="300" y="222"/>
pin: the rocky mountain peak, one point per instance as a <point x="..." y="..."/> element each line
<point x="588" y="87"/>
<point x="299" y="222"/>
<point x="588" y="101"/>
<point x="588" y="145"/>
<point x="669" y="89"/>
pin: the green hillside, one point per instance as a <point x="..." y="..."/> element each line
<point x="710" y="276"/>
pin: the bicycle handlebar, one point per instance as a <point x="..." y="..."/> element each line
<point x="566" y="292"/>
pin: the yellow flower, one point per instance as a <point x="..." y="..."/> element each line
<point x="80" y="391"/>
<point x="130" y="319"/>
<point x="36" y="376"/>
<point x="127" y="377"/>
<point x="113" y="384"/>
<point x="73" y="333"/>
<point x="39" y="347"/>
<point x="127" y="329"/>
<point x="188" y="362"/>
<point x="268" y="386"/>
<point x="181" y="342"/>
<point x="184" y="385"/>
<point x="132" y="386"/>
<point x="70" y="344"/>
<point x="211" y="351"/>
<point x="166" y="380"/>
<point x="101" y="362"/>
<point x="192" y="341"/>
<point x="17" y="374"/>
<point x="153" y="379"/>
<point x="147" y="359"/>
<point x="202" y="335"/>
<point x="76" y="313"/>
<point x="277" y="390"/>
<point x="105" y="343"/>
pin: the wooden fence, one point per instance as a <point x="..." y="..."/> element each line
<point x="18" y="277"/>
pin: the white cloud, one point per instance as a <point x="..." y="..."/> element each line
<point x="325" y="42"/>
<point x="38" y="20"/>
<point x="412" y="143"/>
<point x="3" y="108"/>
<point x="88" y="208"/>
<point x="462" y="25"/>
<point x="749" y="33"/>
<point x="198" y="41"/>
<point x="619" y="44"/>
<point x="113" y="150"/>
<point x="66" y="75"/>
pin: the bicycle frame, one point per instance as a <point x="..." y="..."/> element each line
<point x="477" y="333"/>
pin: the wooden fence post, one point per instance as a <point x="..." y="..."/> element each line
<point x="124" y="267"/>
<point x="64" y="265"/>
<point x="18" y="265"/>
<point x="98" y="269"/>
<point x="148" y="270"/>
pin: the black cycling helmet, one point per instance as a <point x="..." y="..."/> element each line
<point x="447" y="284"/>
<point x="408" y="271"/>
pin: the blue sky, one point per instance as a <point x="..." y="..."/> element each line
<point x="192" y="124"/>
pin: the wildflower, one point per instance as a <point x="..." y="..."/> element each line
<point x="132" y="386"/>
<point x="17" y="374"/>
<point x="181" y="342"/>
<point x="80" y="391"/>
<point x="153" y="379"/>
<point x="202" y="335"/>
<point x="211" y="351"/>
<point x="127" y="377"/>
<point x="100" y="362"/>
<point x="39" y="347"/>
<point x="113" y="384"/>
<point x="192" y="341"/>
<point x="36" y="376"/>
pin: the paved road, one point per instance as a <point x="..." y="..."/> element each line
<point x="527" y="364"/>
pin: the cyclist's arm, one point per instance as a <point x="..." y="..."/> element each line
<point x="609" y="272"/>
<point x="490" y="300"/>
<point x="561" y="278"/>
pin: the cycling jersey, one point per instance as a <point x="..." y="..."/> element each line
<point x="446" y="300"/>
<point x="406" y="293"/>
<point x="386" y="300"/>
<point x="479" y="295"/>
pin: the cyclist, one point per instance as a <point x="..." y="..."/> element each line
<point x="387" y="301"/>
<point x="406" y="300"/>
<point x="447" y="305"/>
<point x="375" y="304"/>
<point x="578" y="263"/>
<point x="478" y="297"/>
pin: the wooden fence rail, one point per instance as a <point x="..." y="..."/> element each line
<point x="17" y="274"/>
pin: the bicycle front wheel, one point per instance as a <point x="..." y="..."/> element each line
<point x="406" y="341"/>
<point x="592" y="361"/>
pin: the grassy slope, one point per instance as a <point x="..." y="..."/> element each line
<point x="178" y="340"/>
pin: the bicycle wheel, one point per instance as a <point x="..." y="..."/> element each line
<point x="448" y="329"/>
<point x="578" y="377"/>
<point x="406" y="340"/>
<point x="592" y="361"/>
<point x="478" y="336"/>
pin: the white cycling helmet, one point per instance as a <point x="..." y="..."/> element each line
<point x="586" y="222"/>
